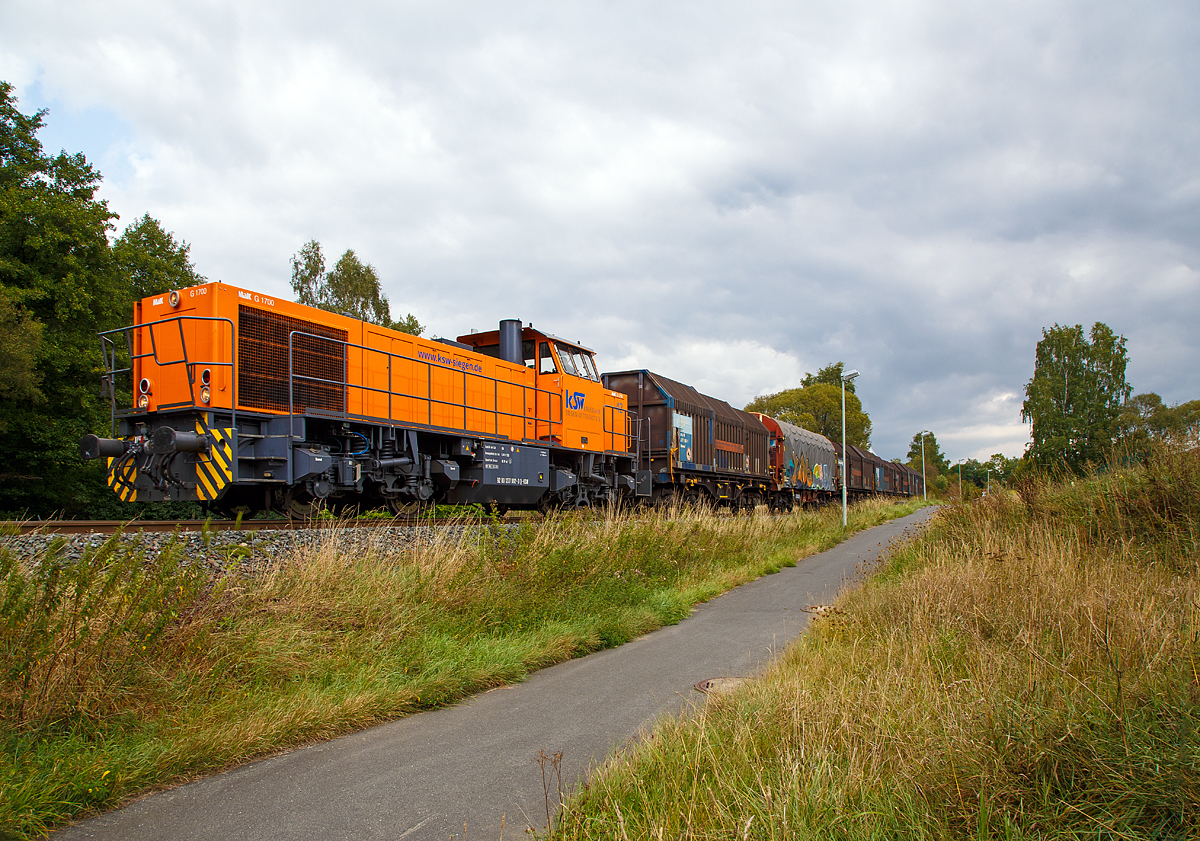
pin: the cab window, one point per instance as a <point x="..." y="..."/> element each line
<point x="568" y="366"/>
<point x="527" y="353"/>
<point x="545" y="359"/>
<point x="583" y="365"/>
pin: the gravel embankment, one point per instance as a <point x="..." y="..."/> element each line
<point x="241" y="550"/>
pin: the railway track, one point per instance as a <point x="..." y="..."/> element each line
<point x="17" y="527"/>
<point x="13" y="527"/>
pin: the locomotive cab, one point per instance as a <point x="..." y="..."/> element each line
<point x="587" y="415"/>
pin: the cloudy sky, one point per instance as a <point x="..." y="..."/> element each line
<point x="729" y="194"/>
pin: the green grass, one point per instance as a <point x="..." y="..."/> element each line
<point x="1026" y="668"/>
<point x="123" y="673"/>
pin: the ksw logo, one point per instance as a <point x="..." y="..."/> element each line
<point x="575" y="400"/>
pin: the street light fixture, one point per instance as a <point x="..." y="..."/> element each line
<point x="846" y="377"/>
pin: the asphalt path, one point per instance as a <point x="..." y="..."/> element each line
<point x="463" y="771"/>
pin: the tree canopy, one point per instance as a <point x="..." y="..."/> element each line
<point x="152" y="260"/>
<point x="60" y="284"/>
<point x="1145" y="418"/>
<point x="934" y="457"/>
<point x="1075" y="397"/>
<point x="974" y="472"/>
<point x="351" y="288"/>
<point x="831" y="374"/>
<point x="817" y="406"/>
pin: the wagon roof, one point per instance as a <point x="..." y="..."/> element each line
<point x="804" y="434"/>
<point x="685" y="398"/>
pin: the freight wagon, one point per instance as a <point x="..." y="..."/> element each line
<point x="804" y="465"/>
<point x="695" y="448"/>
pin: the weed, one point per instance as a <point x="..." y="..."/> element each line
<point x="1024" y="668"/>
<point x="124" y="670"/>
<point x="553" y="778"/>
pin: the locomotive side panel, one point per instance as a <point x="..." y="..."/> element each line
<point x="303" y="406"/>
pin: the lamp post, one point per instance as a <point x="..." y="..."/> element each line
<point x="989" y="481"/>
<point x="924" y="490"/>
<point x="960" y="493"/>
<point x="846" y="377"/>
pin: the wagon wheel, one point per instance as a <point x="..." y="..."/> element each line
<point x="406" y="506"/>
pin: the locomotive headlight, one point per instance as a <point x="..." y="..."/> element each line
<point x="173" y="299"/>
<point x="144" y="385"/>
<point x="205" y="376"/>
<point x="205" y="395"/>
<point x="144" y="401"/>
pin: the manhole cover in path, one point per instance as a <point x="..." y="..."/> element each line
<point x="717" y="685"/>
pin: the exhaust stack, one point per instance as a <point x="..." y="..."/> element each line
<point x="510" y="341"/>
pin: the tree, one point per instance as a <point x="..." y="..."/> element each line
<point x="59" y="287"/>
<point x="1075" y="396"/>
<point x="1186" y="423"/>
<point x="1002" y="467"/>
<point x="351" y="288"/>
<point x="1145" y="418"/>
<point x="61" y="283"/>
<point x="831" y="374"/>
<point x="19" y="344"/>
<point x="934" y="457"/>
<point x="818" y="407"/>
<point x="152" y="261"/>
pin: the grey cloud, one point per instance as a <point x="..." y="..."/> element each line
<point x="917" y="188"/>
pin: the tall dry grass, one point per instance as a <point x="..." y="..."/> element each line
<point x="1025" y="669"/>
<point x="123" y="670"/>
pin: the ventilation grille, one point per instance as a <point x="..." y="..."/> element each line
<point x="263" y="363"/>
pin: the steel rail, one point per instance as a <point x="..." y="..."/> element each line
<point x="11" y="527"/>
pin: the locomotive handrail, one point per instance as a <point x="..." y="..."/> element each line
<point x="108" y="353"/>
<point x="627" y="435"/>
<point x="429" y="399"/>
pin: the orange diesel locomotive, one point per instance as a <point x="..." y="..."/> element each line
<point x="248" y="402"/>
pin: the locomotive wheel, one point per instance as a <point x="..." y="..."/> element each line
<point x="234" y="504"/>
<point x="297" y="505"/>
<point x="232" y="512"/>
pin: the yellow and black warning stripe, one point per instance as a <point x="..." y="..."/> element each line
<point x="122" y="479"/>
<point x="214" y="469"/>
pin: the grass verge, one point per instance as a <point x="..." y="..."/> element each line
<point x="1027" y="667"/>
<point x="122" y="673"/>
